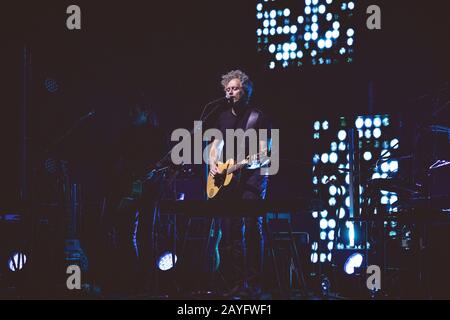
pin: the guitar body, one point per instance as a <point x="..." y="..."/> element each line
<point x="220" y="180"/>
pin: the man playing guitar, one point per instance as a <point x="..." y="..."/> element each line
<point x="242" y="235"/>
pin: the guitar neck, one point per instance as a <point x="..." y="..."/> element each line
<point x="236" y="167"/>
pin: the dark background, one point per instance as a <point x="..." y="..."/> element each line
<point x="175" y="53"/>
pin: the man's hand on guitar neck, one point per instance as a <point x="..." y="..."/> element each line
<point x="213" y="169"/>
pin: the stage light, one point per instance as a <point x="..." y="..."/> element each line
<point x="385" y="167"/>
<point x="332" y="201"/>
<point x="273" y="14"/>
<point x="307" y="10"/>
<point x="330" y="245"/>
<point x="314" y="257"/>
<point x="347" y="181"/>
<point x="342" y="146"/>
<point x="324" y="179"/>
<point x="332" y="190"/>
<point x="368" y="134"/>
<point x="331" y="223"/>
<point x="266" y="31"/>
<point x="323" y="235"/>
<point x="285" y="55"/>
<point x="353" y="261"/>
<point x="51" y="85"/>
<point x="376" y="133"/>
<point x="165" y="261"/>
<point x="323" y="257"/>
<point x="279" y="30"/>
<point x="299" y="54"/>
<point x="323" y="213"/>
<point x="335" y="34"/>
<point x="314" y="18"/>
<point x="385" y="153"/>
<point x="329" y="256"/>
<point x="350" y="33"/>
<point x="316" y="158"/>
<point x="308" y="2"/>
<point x="334" y="146"/>
<point x="272" y="31"/>
<point x="315" y="180"/>
<point x="314" y="36"/>
<point x="300" y="19"/>
<point x="315" y="214"/>
<point x="315" y="246"/>
<point x="315" y="2"/>
<point x="293" y="46"/>
<point x="351" y="5"/>
<point x="272" y="48"/>
<point x="359" y="123"/>
<point x="341" y="213"/>
<point x="325" y="285"/>
<point x="322" y="9"/>
<point x="393" y="199"/>
<point x="384" y="200"/>
<point x="350" y="41"/>
<point x="367" y="155"/>
<point x="323" y="223"/>
<point x="286" y="12"/>
<point x="377" y="122"/>
<point x="331" y="235"/>
<point x="321" y="44"/>
<point x="17" y="261"/>
<point x="325" y="158"/>
<point x="394" y="143"/>
<point x="368" y="122"/>
<point x="333" y="157"/>
<point x="286" y="29"/>
<point x="307" y="36"/>
<point x="393" y="166"/>
<point x="351" y="233"/>
<point x="342" y="135"/>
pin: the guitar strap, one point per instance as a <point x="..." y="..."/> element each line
<point x="251" y="122"/>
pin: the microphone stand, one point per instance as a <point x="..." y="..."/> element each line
<point x="162" y="167"/>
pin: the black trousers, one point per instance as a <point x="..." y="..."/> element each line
<point x="244" y="237"/>
<point x="134" y="227"/>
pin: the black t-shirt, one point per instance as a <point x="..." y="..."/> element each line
<point x="248" y="183"/>
<point x="227" y="120"/>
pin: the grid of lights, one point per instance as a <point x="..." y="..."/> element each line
<point x="309" y="32"/>
<point x="332" y="185"/>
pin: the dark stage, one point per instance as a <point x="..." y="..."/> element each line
<point x="223" y="150"/>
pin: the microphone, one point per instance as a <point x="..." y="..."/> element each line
<point x="217" y="104"/>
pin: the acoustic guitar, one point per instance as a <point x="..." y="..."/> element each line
<point x="226" y="172"/>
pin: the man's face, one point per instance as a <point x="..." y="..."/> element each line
<point x="234" y="90"/>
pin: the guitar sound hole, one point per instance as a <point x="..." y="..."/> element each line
<point x="219" y="180"/>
